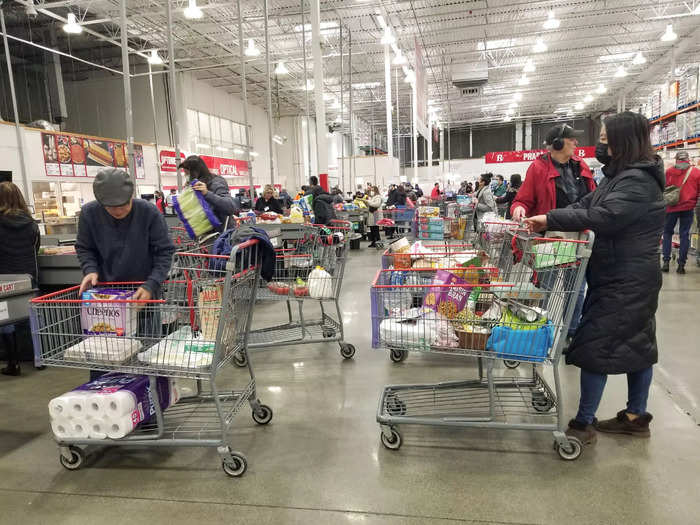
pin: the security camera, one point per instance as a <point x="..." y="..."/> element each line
<point x="30" y="10"/>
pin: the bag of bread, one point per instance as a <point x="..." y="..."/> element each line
<point x="209" y="305"/>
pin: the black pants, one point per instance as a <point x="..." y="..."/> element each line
<point x="373" y="234"/>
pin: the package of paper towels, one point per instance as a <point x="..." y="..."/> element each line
<point x="109" y="407"/>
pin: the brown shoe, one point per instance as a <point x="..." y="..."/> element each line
<point x="621" y="424"/>
<point x="586" y="434"/>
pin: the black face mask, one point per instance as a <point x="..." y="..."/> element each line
<point x="601" y="154"/>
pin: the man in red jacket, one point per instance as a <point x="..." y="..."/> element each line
<point x="556" y="179"/>
<point x="683" y="211"/>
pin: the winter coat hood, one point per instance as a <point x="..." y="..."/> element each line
<point x="15" y="220"/>
<point x="655" y="169"/>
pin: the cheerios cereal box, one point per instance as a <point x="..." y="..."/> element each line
<point x="106" y="314"/>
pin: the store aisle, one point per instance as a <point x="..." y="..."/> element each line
<point x="321" y="461"/>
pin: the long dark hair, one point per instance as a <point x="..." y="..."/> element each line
<point x="11" y="200"/>
<point x="198" y="170"/>
<point x="515" y="180"/>
<point x="628" y="139"/>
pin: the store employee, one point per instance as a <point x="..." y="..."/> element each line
<point x="121" y="238"/>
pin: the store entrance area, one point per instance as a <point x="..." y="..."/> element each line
<point x="321" y="460"/>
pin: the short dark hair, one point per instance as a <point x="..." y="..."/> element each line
<point x="487" y="177"/>
<point x="304" y="188"/>
<point x="515" y="180"/>
<point x="500" y="177"/>
<point x="197" y="168"/>
<point x="313" y="180"/>
<point x="628" y="139"/>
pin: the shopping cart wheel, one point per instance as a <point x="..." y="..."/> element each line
<point x="541" y="402"/>
<point x="393" y="442"/>
<point x="235" y="465"/>
<point x="263" y="415"/>
<point x="398" y="355"/>
<point x="511" y="364"/>
<point x="347" y="350"/>
<point x="328" y="333"/>
<point x="570" y="453"/>
<point x="77" y="457"/>
<point x="240" y="359"/>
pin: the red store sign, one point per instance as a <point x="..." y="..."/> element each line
<point x="217" y="165"/>
<point x="498" y="157"/>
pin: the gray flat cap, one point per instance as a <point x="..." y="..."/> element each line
<point x="113" y="187"/>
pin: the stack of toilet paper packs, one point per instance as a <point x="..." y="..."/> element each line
<point x="109" y="407"/>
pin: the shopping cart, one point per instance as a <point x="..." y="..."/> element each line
<point x="519" y="312"/>
<point x="402" y="218"/>
<point x="491" y="234"/>
<point x="193" y="333"/>
<point x="310" y="272"/>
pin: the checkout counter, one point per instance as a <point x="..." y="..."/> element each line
<point x="15" y="293"/>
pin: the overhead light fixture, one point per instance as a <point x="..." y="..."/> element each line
<point x="507" y="118"/>
<point x="202" y="145"/>
<point x="510" y="111"/>
<point x="154" y="58"/>
<point x="72" y="26"/>
<point x="338" y="120"/>
<point x="222" y="148"/>
<point x="552" y="22"/>
<point x="309" y="85"/>
<point x="588" y="98"/>
<point x="325" y="27"/>
<point x="495" y="44"/>
<point x="251" y="50"/>
<point x="518" y="97"/>
<point x="669" y="35"/>
<point x="381" y="21"/>
<point x="697" y="10"/>
<point x="238" y="151"/>
<point x="277" y="139"/>
<point x="601" y="89"/>
<point x="410" y="77"/>
<point x="192" y="11"/>
<point x="620" y="72"/>
<point x="281" y="69"/>
<point x="529" y="67"/>
<point x="399" y="59"/>
<point x="512" y="105"/>
<point x="578" y="106"/>
<point x="639" y="59"/>
<point x="523" y="81"/>
<point x="254" y="154"/>
<point x="540" y="46"/>
<point x="387" y="38"/>
<point x="615" y="57"/>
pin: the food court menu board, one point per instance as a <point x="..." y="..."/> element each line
<point x="69" y="155"/>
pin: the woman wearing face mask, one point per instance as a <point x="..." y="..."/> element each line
<point x="374" y="202"/>
<point x="484" y="198"/>
<point x="601" y="153"/>
<point x="617" y="332"/>
<point x="214" y="188"/>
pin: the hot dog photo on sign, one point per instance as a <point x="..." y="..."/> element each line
<point x="99" y="156"/>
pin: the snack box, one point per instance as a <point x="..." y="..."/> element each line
<point x="108" y="317"/>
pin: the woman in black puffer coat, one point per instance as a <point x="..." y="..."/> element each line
<point x="617" y="333"/>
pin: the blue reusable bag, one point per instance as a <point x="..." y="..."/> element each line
<point x="522" y="345"/>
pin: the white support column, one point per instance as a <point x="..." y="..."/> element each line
<point x="321" y="143"/>
<point x="528" y="134"/>
<point x="471" y="142"/>
<point x="414" y="111"/>
<point x="518" y="135"/>
<point x="442" y="151"/>
<point x="387" y="96"/>
<point x="430" y="148"/>
<point x="128" y="116"/>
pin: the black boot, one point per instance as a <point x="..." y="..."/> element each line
<point x="681" y="269"/>
<point x="10" y="342"/>
<point x="665" y="266"/>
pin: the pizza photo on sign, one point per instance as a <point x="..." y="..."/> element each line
<point x="77" y="150"/>
<point x="64" y="149"/>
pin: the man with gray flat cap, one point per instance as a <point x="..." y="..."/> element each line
<point x="121" y="238"/>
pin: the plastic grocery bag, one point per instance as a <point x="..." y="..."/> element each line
<point x="320" y="284"/>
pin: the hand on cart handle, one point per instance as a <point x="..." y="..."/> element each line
<point x="519" y="214"/>
<point x="537" y="223"/>
<point x="88" y="282"/>
<point x="142" y="294"/>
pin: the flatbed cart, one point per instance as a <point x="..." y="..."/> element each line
<point x="293" y="283"/>
<point x="211" y="311"/>
<point x="524" y="317"/>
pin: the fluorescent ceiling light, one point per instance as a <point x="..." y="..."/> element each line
<point x="254" y="154"/>
<point x="251" y="50"/>
<point x="238" y="151"/>
<point x="518" y="97"/>
<point x="529" y="67"/>
<point x="365" y="85"/>
<point x="72" y="27"/>
<point x="410" y="77"/>
<point x="551" y="22"/>
<point x="540" y="46"/>
<point x="192" y="11"/>
<point x="588" y="98"/>
<point x="281" y="69"/>
<point x="523" y="81"/>
<point x="388" y="38"/>
<point x="202" y="145"/>
<point x="509" y="111"/>
<point x="617" y="57"/>
<point x="620" y="72"/>
<point x="495" y="44"/>
<point x="507" y="118"/>
<point x="381" y="21"/>
<point x="512" y="105"/>
<point x="154" y="58"/>
<point x="562" y="110"/>
<point x="639" y="59"/>
<point x="399" y="59"/>
<point x="578" y="106"/>
<point x="222" y="148"/>
<point x="326" y="27"/>
<point x="669" y="35"/>
<point x="601" y="89"/>
<point x="309" y="85"/>
<point x="277" y="139"/>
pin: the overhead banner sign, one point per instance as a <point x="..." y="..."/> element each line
<point x="498" y="157"/>
<point x="421" y="93"/>
<point x="217" y="165"/>
<point x="71" y="155"/>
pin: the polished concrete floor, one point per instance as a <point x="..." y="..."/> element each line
<point x="321" y="461"/>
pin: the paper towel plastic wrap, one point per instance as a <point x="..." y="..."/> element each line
<point x="111" y="406"/>
<point x="103" y="349"/>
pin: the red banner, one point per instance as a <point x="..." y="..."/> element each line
<point x="498" y="157"/>
<point x="217" y="165"/>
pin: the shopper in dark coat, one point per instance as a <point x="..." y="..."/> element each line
<point x="322" y="203"/>
<point x="511" y="192"/>
<point x="214" y="188"/>
<point x="617" y="333"/>
<point x="20" y="244"/>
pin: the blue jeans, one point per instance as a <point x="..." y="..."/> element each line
<point x="578" y="310"/>
<point x="592" y="386"/>
<point x="686" y="220"/>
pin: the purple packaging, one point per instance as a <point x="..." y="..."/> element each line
<point x="103" y="318"/>
<point x="447" y="300"/>
<point x="138" y="386"/>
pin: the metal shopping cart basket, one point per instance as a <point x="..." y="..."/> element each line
<point x="192" y="333"/>
<point x="312" y="271"/>
<point x="521" y="312"/>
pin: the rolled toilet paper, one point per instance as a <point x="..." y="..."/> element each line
<point x="118" y="428"/>
<point x="76" y="405"/>
<point x="96" y="406"/>
<point x="62" y="427"/>
<point x="79" y="428"/>
<point x="59" y="407"/>
<point x="119" y="404"/>
<point x="97" y="428"/>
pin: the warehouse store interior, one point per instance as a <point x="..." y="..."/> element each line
<point x="430" y="256"/>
